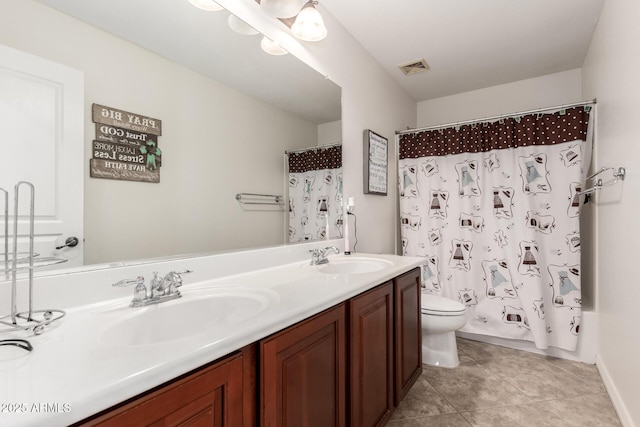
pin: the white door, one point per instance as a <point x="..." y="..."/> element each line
<point x="41" y="141"/>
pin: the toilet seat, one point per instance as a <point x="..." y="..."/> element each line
<point x="435" y="305"/>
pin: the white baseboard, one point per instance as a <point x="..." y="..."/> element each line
<point x="616" y="400"/>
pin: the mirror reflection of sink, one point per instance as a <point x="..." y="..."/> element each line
<point x="353" y="265"/>
<point x="195" y="313"/>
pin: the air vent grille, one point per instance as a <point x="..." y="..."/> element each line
<point x="414" y="67"/>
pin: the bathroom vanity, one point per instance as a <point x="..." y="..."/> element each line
<point x="349" y="365"/>
<point x="338" y="344"/>
<point x="219" y="394"/>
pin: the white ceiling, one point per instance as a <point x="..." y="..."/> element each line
<point x="470" y="44"/>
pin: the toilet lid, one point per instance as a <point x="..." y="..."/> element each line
<point x="440" y="306"/>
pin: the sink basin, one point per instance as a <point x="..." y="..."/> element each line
<point x="197" y="312"/>
<point x="353" y="265"/>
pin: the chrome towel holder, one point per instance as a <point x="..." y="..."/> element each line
<point x="618" y="175"/>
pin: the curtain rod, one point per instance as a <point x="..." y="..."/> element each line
<point x="313" y="148"/>
<point x="494" y="118"/>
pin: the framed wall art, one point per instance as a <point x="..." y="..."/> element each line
<point x="376" y="149"/>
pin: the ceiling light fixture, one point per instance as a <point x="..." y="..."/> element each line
<point x="309" y="25"/>
<point x="281" y="8"/>
<point x="208" y="5"/>
<point x="239" y="26"/>
<point x="272" y="47"/>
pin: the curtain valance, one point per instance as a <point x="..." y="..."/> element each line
<point x="316" y="159"/>
<point x="532" y="129"/>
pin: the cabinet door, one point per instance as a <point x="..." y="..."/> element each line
<point x="371" y="357"/>
<point x="303" y="373"/>
<point x="212" y="396"/>
<point x="408" y="334"/>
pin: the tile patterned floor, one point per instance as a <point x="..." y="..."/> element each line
<point x="498" y="386"/>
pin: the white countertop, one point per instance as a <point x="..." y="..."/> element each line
<point x="79" y="367"/>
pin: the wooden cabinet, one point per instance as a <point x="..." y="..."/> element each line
<point x="371" y="357"/>
<point x="303" y="373"/>
<point x="220" y="394"/>
<point x="408" y="332"/>
<point x="385" y="348"/>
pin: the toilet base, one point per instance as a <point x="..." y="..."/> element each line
<point x="440" y="350"/>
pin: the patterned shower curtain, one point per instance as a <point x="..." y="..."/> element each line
<point x="315" y="194"/>
<point x="494" y="210"/>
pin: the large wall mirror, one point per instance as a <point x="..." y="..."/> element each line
<point x="229" y="112"/>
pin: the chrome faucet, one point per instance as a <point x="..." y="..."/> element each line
<point x="319" y="255"/>
<point x="160" y="290"/>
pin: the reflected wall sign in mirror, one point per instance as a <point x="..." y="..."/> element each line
<point x="228" y="115"/>
<point x="315" y="193"/>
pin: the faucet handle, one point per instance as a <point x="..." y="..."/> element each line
<point x="129" y="282"/>
<point x="175" y="277"/>
<point x="180" y="273"/>
<point x="140" y="291"/>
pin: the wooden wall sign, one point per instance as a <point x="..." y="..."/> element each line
<point x="113" y="134"/>
<point x="110" y="169"/>
<point x="125" y="120"/>
<point x="122" y="152"/>
<point x="126" y="146"/>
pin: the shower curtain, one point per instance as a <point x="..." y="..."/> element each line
<point x="315" y="194"/>
<point x="494" y="210"/>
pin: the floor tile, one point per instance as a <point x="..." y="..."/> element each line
<point x="531" y="414"/>
<point x="475" y="386"/>
<point x="445" y="420"/>
<point x="482" y="351"/>
<point x="422" y="400"/>
<point x="582" y="411"/>
<point x="539" y="379"/>
<point x="588" y="373"/>
<point x="498" y="386"/>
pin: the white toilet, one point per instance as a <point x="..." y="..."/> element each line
<point x="440" y="319"/>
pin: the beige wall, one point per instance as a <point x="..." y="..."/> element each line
<point x="545" y="91"/>
<point x="610" y="73"/>
<point x="210" y="153"/>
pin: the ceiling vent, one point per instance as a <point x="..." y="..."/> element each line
<point x="414" y="67"/>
